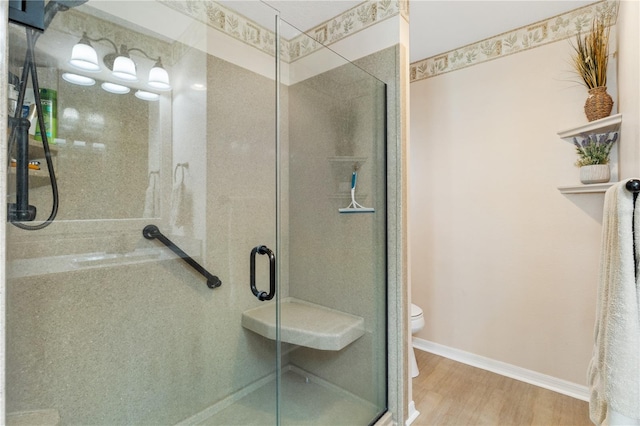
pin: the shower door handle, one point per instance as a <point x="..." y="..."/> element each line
<point x="263" y="295"/>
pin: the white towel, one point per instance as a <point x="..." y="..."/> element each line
<point x="151" y="199"/>
<point x="180" y="199"/>
<point x="614" y="371"/>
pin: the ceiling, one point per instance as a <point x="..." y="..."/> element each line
<point x="438" y="26"/>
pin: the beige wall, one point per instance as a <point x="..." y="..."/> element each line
<point x="503" y="265"/>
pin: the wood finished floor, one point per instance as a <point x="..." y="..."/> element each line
<point x="450" y="393"/>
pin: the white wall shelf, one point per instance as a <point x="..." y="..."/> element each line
<point x="604" y="125"/>
<point x="585" y="189"/>
<point x="348" y="159"/>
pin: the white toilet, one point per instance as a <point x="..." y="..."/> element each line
<point x="417" y="324"/>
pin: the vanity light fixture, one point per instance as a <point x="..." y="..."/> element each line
<point x="84" y="57"/>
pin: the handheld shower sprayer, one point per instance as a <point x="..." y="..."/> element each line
<point x="21" y="211"/>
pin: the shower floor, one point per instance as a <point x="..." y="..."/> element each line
<point x="304" y="402"/>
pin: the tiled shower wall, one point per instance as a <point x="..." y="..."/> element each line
<point x="338" y="260"/>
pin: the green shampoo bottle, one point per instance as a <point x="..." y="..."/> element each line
<point x="49" y="98"/>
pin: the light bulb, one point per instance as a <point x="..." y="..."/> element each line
<point x="159" y="77"/>
<point x="125" y="69"/>
<point x="84" y="56"/>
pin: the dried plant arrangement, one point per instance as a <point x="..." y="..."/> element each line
<point x="592" y="54"/>
<point x="590" y="61"/>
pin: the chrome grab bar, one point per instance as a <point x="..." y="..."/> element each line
<point x="151" y="231"/>
<point x="263" y="295"/>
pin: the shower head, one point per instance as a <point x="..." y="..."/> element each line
<point x="55" y="6"/>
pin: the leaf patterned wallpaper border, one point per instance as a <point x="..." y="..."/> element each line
<point x="535" y="35"/>
<point x="348" y="23"/>
<point x="364" y="15"/>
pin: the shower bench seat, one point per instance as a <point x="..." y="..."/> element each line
<point x="305" y="324"/>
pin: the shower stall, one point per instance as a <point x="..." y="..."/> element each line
<point x="233" y="140"/>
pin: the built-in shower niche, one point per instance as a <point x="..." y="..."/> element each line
<point x="305" y="324"/>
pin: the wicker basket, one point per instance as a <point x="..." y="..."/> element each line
<point x="598" y="104"/>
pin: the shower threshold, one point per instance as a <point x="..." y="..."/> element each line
<point x="306" y="400"/>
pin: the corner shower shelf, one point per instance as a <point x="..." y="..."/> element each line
<point x="603" y="125"/>
<point x="342" y="167"/>
<point x="348" y="159"/>
<point x="36" y="177"/>
<point x="36" y="152"/>
<point x="305" y="324"/>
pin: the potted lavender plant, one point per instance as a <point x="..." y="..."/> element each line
<point x="593" y="152"/>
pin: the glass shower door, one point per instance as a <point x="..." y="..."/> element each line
<point x="106" y="325"/>
<point x="333" y="231"/>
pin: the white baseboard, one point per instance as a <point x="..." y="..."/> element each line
<point x="412" y="415"/>
<point x="518" y="373"/>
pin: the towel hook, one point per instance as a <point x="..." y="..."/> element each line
<point x="633" y="186"/>
<point x="180" y="166"/>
